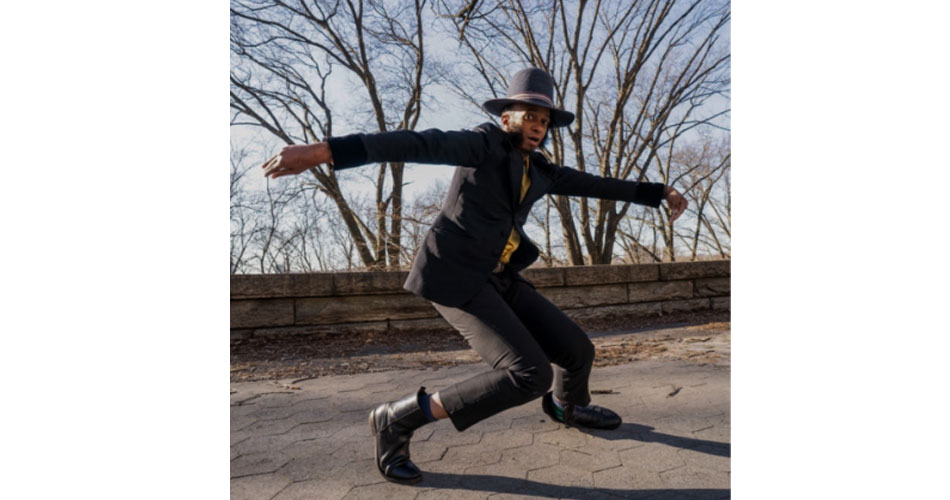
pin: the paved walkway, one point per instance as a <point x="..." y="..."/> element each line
<point x="310" y="439"/>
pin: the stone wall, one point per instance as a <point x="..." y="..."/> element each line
<point x="594" y="296"/>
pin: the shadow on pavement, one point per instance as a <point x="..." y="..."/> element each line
<point x="517" y="486"/>
<point x="646" y="434"/>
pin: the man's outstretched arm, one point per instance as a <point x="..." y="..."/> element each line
<point x="569" y="181"/>
<point x="428" y="146"/>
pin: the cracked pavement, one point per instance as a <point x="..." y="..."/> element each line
<point x="309" y="438"/>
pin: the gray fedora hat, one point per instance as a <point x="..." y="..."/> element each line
<point x="531" y="86"/>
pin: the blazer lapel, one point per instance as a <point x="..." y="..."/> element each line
<point x="515" y="170"/>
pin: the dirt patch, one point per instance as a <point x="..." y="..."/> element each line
<point x="305" y="356"/>
<point x="707" y="344"/>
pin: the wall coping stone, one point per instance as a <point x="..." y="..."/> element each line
<point x="255" y="286"/>
<point x="689" y="270"/>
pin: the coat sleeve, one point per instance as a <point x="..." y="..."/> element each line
<point x="466" y="147"/>
<point x="571" y="182"/>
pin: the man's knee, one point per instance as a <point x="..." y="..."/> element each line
<point x="533" y="380"/>
<point x="587" y="351"/>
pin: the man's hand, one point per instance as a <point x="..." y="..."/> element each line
<point x="293" y="160"/>
<point x="676" y="201"/>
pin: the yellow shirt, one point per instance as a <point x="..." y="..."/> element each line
<point x="515" y="239"/>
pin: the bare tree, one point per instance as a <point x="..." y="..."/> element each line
<point x="284" y="54"/>
<point x="242" y="220"/>
<point x="633" y="231"/>
<point x="638" y="75"/>
<point x="705" y="166"/>
<point x="549" y="250"/>
<point x="702" y="168"/>
<point x="420" y="214"/>
<point x="280" y="228"/>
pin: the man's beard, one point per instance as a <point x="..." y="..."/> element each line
<point x="516" y="139"/>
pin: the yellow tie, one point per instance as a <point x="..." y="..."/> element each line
<point x="515" y="239"/>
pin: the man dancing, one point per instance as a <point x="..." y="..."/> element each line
<point x="468" y="265"/>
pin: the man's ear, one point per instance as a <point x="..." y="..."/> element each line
<point x="504" y="119"/>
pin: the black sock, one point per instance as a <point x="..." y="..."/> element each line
<point x="425" y="407"/>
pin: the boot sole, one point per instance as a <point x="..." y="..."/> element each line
<point x="402" y="481"/>
<point x="375" y="431"/>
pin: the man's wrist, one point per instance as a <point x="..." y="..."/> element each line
<point x="315" y="153"/>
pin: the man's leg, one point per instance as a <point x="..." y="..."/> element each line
<point x="569" y="348"/>
<point x="520" y="370"/>
<point x="563" y="342"/>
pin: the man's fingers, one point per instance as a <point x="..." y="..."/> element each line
<point x="271" y="164"/>
<point x="282" y="171"/>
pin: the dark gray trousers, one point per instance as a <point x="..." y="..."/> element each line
<point x="519" y="334"/>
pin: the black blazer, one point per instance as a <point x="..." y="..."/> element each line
<point x="481" y="206"/>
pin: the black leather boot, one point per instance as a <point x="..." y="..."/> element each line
<point x="393" y="423"/>
<point x="590" y="416"/>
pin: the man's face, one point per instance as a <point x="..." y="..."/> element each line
<point x="531" y="121"/>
